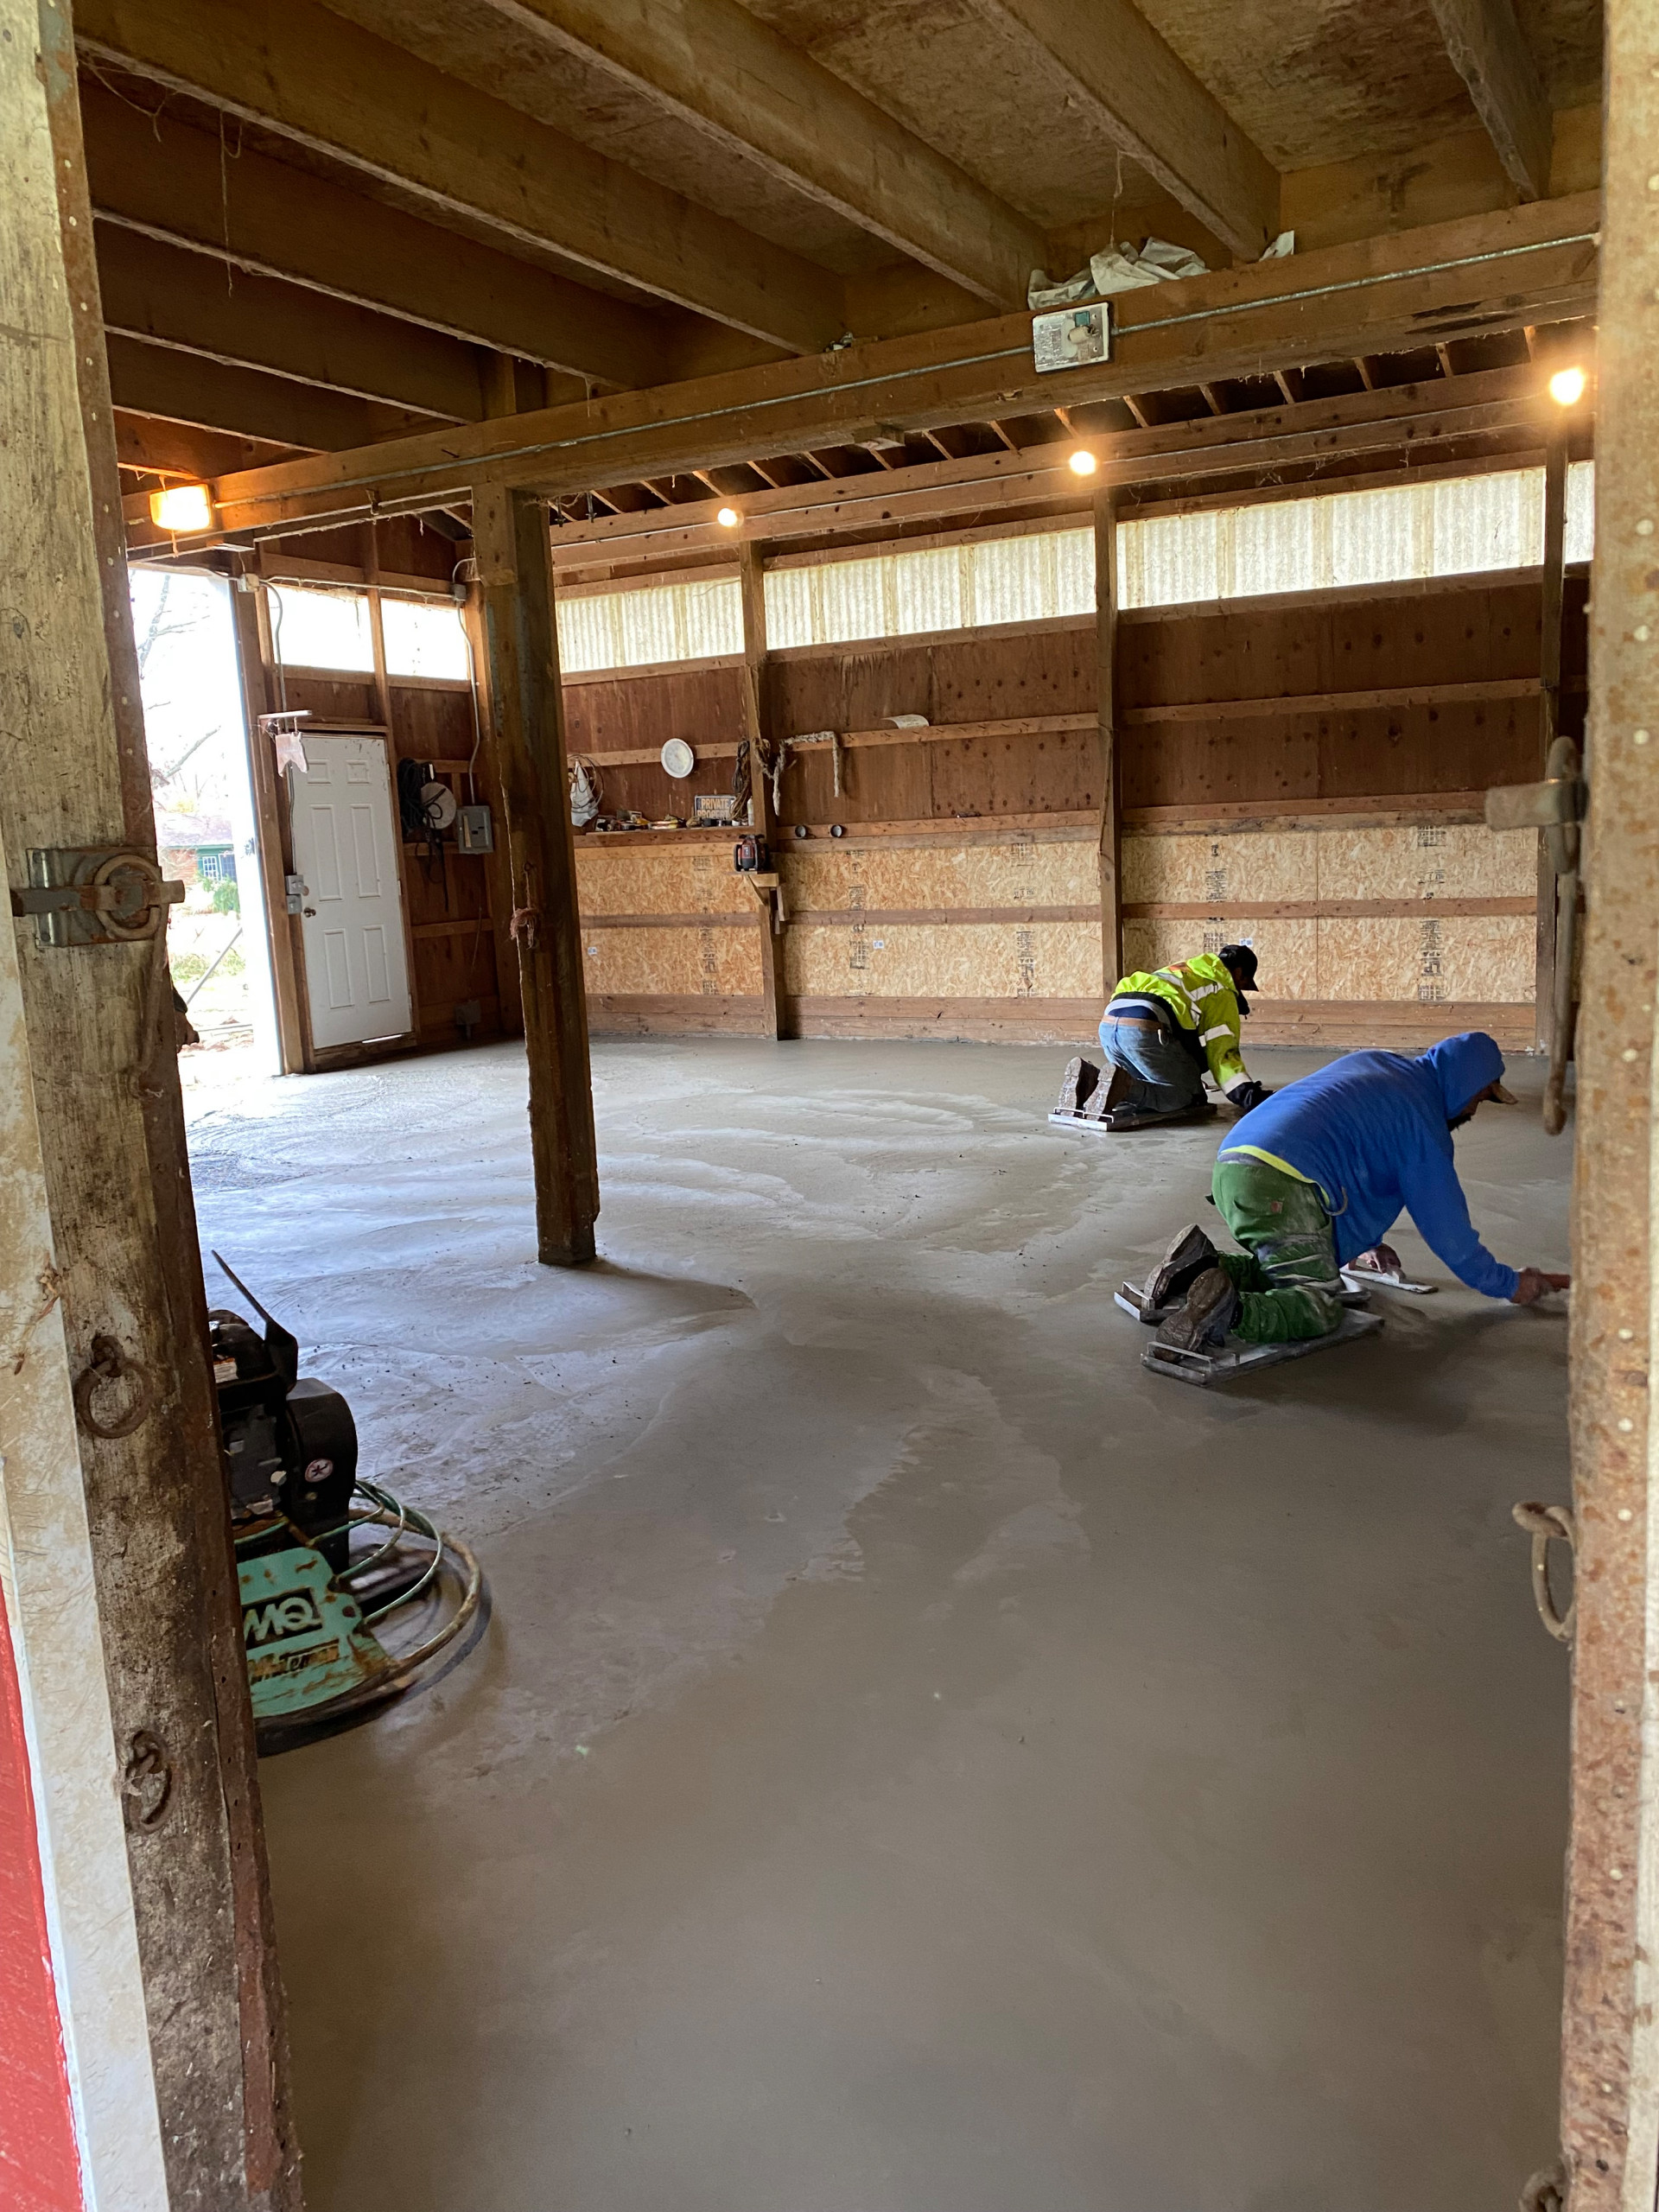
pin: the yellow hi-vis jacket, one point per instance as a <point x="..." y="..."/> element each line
<point x="1203" y="997"/>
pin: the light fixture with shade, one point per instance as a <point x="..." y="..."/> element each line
<point x="729" y="517"/>
<point x="1566" y="387"/>
<point x="181" y="508"/>
<point x="1082" y="462"/>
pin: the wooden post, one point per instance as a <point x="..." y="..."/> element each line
<point x="1549" y="671"/>
<point x="1610" y="2073"/>
<point x="751" y="567"/>
<point x="146" y="1712"/>
<point x="514" y="573"/>
<point x="1111" y="808"/>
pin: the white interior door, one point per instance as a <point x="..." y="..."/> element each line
<point x="352" y="906"/>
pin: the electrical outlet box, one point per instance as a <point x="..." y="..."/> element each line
<point x="475" y="830"/>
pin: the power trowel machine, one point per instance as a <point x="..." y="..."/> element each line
<point x="322" y="1556"/>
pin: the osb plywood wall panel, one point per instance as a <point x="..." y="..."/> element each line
<point x="716" y="961"/>
<point x="965" y="960"/>
<point x="1457" y="957"/>
<point x="1027" y="872"/>
<point x="1450" y="861"/>
<point x="653" y="879"/>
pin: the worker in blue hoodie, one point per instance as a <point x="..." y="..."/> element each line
<point x="1315" y="1176"/>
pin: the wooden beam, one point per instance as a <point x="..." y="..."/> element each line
<point x="757" y="720"/>
<point x="188" y="388"/>
<point x="268" y="219"/>
<point x="1110" y="839"/>
<point x="509" y="533"/>
<point x="1381" y="295"/>
<point x="1489" y="52"/>
<point x="747" y="88"/>
<point x="185" y="2091"/>
<point x="1146" y="100"/>
<point x="1610" y="2058"/>
<point x="294" y="68"/>
<point x="191" y="304"/>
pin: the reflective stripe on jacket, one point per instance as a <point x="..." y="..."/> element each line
<point x="1203" y="997"/>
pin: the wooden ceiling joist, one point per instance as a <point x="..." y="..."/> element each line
<point x="740" y="84"/>
<point x="1385" y="295"/>
<point x="190" y="302"/>
<point x="188" y="388"/>
<point x="298" y="70"/>
<point x="1146" y="98"/>
<point x="181" y="185"/>
<point x="150" y="448"/>
<point x="1489" y="52"/>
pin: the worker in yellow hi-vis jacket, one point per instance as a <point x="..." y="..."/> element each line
<point x="1163" y="1030"/>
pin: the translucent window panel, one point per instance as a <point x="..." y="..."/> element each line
<point x="1485" y="522"/>
<point x="1377" y="536"/>
<point x="650" y="624"/>
<point x="590" y="632"/>
<point x="926" y="590"/>
<point x="423" y="638"/>
<point x="321" y="629"/>
<point x="1581" y="510"/>
<point x="1167" y="559"/>
<point x="1392" y="533"/>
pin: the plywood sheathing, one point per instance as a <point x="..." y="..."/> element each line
<point x="627" y="879"/>
<point x="964" y="960"/>
<point x="1027" y="872"/>
<point x="1455" y="956"/>
<point x="1428" y="862"/>
<point x="678" y="961"/>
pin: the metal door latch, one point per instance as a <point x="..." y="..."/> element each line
<point x="94" y="895"/>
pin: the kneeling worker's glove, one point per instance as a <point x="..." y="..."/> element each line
<point x="1248" y="1095"/>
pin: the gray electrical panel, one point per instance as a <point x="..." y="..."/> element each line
<point x="475" y="830"/>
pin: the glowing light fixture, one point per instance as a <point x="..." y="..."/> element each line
<point x="182" y="507"/>
<point x="1084" y="462"/>
<point x="729" y="517"/>
<point x="1566" y="387"/>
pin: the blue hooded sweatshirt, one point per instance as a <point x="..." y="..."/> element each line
<point x="1371" y="1130"/>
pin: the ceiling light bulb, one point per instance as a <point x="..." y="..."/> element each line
<point x="182" y="507"/>
<point x="1084" y="462"/>
<point x="729" y="517"/>
<point x="1566" y="387"/>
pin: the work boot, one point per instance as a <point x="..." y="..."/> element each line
<point x="1106" y="1097"/>
<point x="1082" y="1080"/>
<point x="1201" y="1324"/>
<point x="1190" y="1254"/>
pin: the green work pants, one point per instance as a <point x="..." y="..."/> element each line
<point x="1287" y="1276"/>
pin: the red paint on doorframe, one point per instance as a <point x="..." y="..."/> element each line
<point x="40" y="2160"/>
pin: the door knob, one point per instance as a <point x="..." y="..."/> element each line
<point x="311" y="910"/>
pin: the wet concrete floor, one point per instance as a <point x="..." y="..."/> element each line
<point x="920" y="1762"/>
